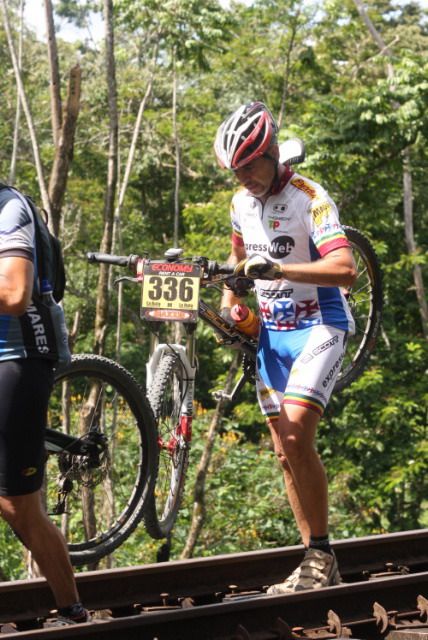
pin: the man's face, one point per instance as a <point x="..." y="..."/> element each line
<point x="257" y="176"/>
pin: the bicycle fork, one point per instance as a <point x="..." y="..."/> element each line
<point x="187" y="357"/>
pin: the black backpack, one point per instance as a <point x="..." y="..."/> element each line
<point x="48" y="250"/>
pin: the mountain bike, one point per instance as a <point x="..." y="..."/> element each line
<point x="172" y="292"/>
<point x="102" y="456"/>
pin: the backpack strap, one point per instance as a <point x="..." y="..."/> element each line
<point x="49" y="249"/>
<point x="40" y="252"/>
<point x="38" y="243"/>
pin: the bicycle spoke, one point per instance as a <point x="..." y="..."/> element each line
<point x="103" y="492"/>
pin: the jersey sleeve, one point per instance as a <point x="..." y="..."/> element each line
<point x="325" y="229"/>
<point x="16" y="228"/>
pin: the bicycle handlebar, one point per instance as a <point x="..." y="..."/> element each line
<point x="240" y="285"/>
<point x="211" y="267"/>
<point x="107" y="258"/>
<point x="217" y="269"/>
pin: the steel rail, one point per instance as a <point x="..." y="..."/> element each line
<point x="255" y="617"/>
<point x="200" y="578"/>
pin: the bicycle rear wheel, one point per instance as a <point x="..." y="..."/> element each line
<point x="365" y="301"/>
<point x="166" y="397"/>
<point x="99" y="499"/>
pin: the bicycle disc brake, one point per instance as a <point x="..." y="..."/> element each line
<point x="90" y="468"/>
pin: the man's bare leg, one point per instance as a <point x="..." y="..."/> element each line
<point x="306" y="484"/>
<point x="26" y="516"/>
<point x="293" y="435"/>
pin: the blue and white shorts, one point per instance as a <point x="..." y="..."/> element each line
<point x="298" y="367"/>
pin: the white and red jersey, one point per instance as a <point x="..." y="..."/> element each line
<point x="298" y="224"/>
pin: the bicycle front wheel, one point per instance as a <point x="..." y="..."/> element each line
<point x="99" y="498"/>
<point x="365" y="301"/>
<point x="166" y="398"/>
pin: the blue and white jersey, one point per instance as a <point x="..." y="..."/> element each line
<point x="298" y="224"/>
<point x="30" y="335"/>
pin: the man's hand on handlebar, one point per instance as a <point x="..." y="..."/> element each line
<point x="258" y="267"/>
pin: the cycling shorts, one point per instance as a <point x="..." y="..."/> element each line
<point x="25" y="387"/>
<point x="298" y="367"/>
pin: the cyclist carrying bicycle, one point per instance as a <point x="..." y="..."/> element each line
<point x="27" y="355"/>
<point x="286" y="235"/>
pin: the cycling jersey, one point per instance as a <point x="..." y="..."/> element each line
<point x="298" y="224"/>
<point x="32" y="334"/>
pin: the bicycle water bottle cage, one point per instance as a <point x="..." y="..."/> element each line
<point x="173" y="254"/>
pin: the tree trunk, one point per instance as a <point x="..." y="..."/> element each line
<point x="64" y="149"/>
<point x="26" y="108"/>
<point x="199" y="509"/>
<point x="12" y="170"/>
<point x="383" y="49"/>
<point x="285" y="84"/>
<point x="177" y="155"/>
<point x="101" y="317"/>
<point x="407" y="179"/>
<point x="133" y="145"/>
<point x="410" y="240"/>
<point x="117" y="236"/>
<point x="55" y="86"/>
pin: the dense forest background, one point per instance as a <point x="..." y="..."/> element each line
<point x="138" y="173"/>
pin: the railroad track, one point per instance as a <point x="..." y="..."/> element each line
<point x="385" y="592"/>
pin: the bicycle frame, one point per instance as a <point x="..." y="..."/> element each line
<point x="58" y="441"/>
<point x="187" y="357"/>
<point x="227" y="335"/>
<point x="231" y="336"/>
<point x="88" y="449"/>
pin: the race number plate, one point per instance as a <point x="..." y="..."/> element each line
<point x="170" y="292"/>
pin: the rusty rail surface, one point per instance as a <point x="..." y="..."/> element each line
<point x="386" y="579"/>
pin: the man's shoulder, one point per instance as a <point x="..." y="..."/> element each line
<point x="16" y="225"/>
<point x="6" y="195"/>
<point x="13" y="210"/>
<point x="313" y="190"/>
<point x="241" y="197"/>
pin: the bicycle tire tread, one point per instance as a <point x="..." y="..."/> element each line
<point x="156" y="527"/>
<point x="368" y="344"/>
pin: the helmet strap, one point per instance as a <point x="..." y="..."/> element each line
<point x="274" y="187"/>
<point x="279" y="181"/>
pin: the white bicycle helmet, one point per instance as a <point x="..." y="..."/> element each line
<point x="245" y="135"/>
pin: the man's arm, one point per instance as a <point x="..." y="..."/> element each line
<point x="336" y="269"/>
<point x="16" y="285"/>
<point x="236" y="255"/>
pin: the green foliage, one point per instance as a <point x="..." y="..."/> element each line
<point x="188" y="28"/>
<point x="317" y="64"/>
<point x="244" y="480"/>
<point x="11" y="556"/>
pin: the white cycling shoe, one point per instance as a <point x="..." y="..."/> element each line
<point x="318" y="569"/>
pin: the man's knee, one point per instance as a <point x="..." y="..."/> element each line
<point x="14" y="514"/>
<point x="282" y="459"/>
<point x="292" y="444"/>
<point x="20" y="512"/>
